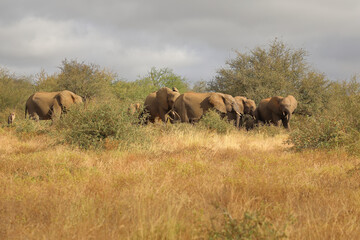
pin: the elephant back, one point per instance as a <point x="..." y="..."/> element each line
<point x="274" y="104"/>
<point x="67" y="98"/>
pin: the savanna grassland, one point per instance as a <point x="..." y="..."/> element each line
<point x="186" y="183"/>
<point x="97" y="173"/>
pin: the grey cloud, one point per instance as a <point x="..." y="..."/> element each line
<point x="195" y="37"/>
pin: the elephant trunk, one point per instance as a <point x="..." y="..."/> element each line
<point x="237" y="119"/>
<point x="286" y="118"/>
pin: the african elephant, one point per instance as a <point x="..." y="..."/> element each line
<point x="50" y="105"/>
<point x="191" y="106"/>
<point x="276" y="109"/>
<point x="248" y="106"/>
<point x="158" y="104"/>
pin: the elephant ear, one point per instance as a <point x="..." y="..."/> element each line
<point x="241" y="101"/>
<point x="274" y="105"/>
<point x="162" y="97"/>
<point x="64" y="98"/>
<point x="230" y="103"/>
<point x="217" y="100"/>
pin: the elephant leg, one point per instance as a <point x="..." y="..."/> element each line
<point x="276" y="119"/>
<point x="55" y="111"/>
<point x="162" y="115"/>
<point x="286" y="123"/>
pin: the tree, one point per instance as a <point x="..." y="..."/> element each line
<point x="164" y="77"/>
<point x="46" y="82"/>
<point x="278" y="70"/>
<point x="13" y="90"/>
<point x="152" y="81"/>
<point x="86" y="80"/>
<point x="200" y="86"/>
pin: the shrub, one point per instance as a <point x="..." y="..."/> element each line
<point x="321" y="132"/>
<point x="338" y="126"/>
<point x="275" y="70"/>
<point x="13" y="91"/>
<point x="26" y="128"/>
<point x="251" y="226"/>
<point x="102" y="125"/>
<point x="213" y="121"/>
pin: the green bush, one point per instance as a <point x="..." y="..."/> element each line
<point x="213" y="121"/>
<point x="14" y="92"/>
<point x="317" y="133"/>
<point x="338" y="126"/>
<point x="102" y="126"/>
<point x="25" y="128"/>
<point x="324" y="131"/>
<point x="251" y="226"/>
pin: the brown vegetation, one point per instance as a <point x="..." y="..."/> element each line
<point x="182" y="186"/>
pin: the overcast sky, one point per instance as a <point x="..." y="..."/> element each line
<point x="192" y="37"/>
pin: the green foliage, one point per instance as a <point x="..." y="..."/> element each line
<point x="151" y="82"/>
<point x="278" y="70"/>
<point x="337" y="126"/>
<point x="251" y="226"/>
<point x="213" y="121"/>
<point x="102" y="125"/>
<point x="319" y="132"/>
<point x="133" y="91"/>
<point x="200" y="87"/>
<point x="14" y="91"/>
<point x="26" y="128"/>
<point x="164" y="77"/>
<point x="46" y="82"/>
<point x="86" y="80"/>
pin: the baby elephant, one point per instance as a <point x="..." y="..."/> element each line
<point x="11" y="118"/>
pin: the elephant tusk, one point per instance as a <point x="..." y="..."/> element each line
<point x="173" y="112"/>
<point x="240" y="114"/>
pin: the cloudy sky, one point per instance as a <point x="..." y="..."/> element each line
<point x="193" y="37"/>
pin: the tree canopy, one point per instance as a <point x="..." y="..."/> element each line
<point x="274" y="71"/>
<point x="152" y="81"/>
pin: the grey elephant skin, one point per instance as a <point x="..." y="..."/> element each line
<point x="276" y="110"/>
<point x="50" y="105"/>
<point x="191" y="106"/>
<point x="158" y="104"/>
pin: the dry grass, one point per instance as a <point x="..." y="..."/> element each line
<point x="179" y="188"/>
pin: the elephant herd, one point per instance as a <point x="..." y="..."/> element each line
<point x="189" y="107"/>
<point x="169" y="105"/>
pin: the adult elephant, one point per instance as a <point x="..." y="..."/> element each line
<point x="158" y="104"/>
<point x="50" y="105"/>
<point x="276" y="109"/>
<point x="191" y="106"/>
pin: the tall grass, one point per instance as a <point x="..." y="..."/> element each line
<point x="189" y="183"/>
